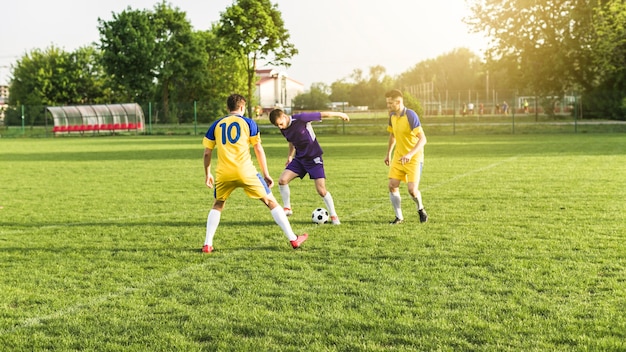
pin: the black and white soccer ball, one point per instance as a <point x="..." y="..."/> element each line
<point x="320" y="216"/>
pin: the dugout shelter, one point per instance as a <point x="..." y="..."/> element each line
<point x="96" y="118"/>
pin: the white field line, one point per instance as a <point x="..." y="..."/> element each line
<point x="472" y="172"/>
<point x="89" y="304"/>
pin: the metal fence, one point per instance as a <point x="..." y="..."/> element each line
<point x="452" y="112"/>
<point x="472" y="102"/>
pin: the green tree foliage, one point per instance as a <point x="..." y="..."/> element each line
<point x="610" y="30"/>
<point x="317" y="98"/>
<point x="56" y="77"/>
<point x="219" y="77"/>
<point x="91" y="81"/>
<point x="554" y="46"/>
<point x="608" y="98"/>
<point x="525" y="35"/>
<point x="256" y="31"/>
<point x="413" y="103"/>
<point x="370" y="90"/>
<point x="53" y="77"/>
<point x="130" y="55"/>
<point x="182" y="56"/>
<point x="340" y="91"/>
<point x="143" y="47"/>
<point x="458" y="70"/>
<point x="365" y="89"/>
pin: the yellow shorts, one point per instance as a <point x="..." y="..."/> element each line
<point x="254" y="186"/>
<point x="409" y="172"/>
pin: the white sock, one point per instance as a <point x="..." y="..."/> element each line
<point x="418" y="200"/>
<point x="281" y="219"/>
<point x="285" y="194"/>
<point x="212" y="221"/>
<point x="396" y="202"/>
<point x="330" y="204"/>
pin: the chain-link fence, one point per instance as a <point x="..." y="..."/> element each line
<point x="472" y="102"/>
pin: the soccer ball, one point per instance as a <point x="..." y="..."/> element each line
<point x="320" y="216"/>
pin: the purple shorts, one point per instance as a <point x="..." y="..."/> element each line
<point x="313" y="167"/>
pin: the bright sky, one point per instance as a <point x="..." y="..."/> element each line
<point x="334" y="37"/>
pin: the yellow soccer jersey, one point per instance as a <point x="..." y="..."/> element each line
<point x="406" y="128"/>
<point x="232" y="136"/>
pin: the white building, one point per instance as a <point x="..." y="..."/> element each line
<point x="4" y="100"/>
<point x="274" y="89"/>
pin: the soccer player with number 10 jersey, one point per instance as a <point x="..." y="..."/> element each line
<point x="232" y="136"/>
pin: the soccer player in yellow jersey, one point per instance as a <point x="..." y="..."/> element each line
<point x="406" y="140"/>
<point x="232" y="136"/>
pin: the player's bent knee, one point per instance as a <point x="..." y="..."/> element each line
<point x="270" y="202"/>
<point x="218" y="205"/>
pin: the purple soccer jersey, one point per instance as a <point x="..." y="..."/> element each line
<point x="300" y="133"/>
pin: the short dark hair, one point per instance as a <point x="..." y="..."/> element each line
<point x="394" y="93"/>
<point x="274" y="114"/>
<point x="234" y="101"/>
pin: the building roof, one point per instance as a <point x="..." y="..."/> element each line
<point x="264" y="80"/>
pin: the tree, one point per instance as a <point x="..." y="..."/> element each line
<point x="555" y="46"/>
<point x="130" y="55"/>
<point x="370" y="90"/>
<point x="317" y="98"/>
<point x="455" y="71"/>
<point x="216" y="79"/>
<point x="413" y="103"/>
<point x="180" y="55"/>
<point x="92" y="84"/>
<point x="610" y="46"/>
<point x="151" y="53"/>
<point x="56" y="77"/>
<point x="255" y="30"/>
<point x="340" y="91"/>
<point x="526" y="35"/>
<point x="608" y="98"/>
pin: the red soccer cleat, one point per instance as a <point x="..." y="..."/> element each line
<point x="207" y="249"/>
<point x="298" y="241"/>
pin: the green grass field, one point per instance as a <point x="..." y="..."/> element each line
<point x="524" y="250"/>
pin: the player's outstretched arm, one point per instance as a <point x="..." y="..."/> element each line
<point x="341" y="115"/>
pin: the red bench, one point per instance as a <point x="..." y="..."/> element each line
<point x="97" y="128"/>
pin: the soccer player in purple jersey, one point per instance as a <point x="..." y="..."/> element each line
<point x="305" y="155"/>
<point x="407" y="140"/>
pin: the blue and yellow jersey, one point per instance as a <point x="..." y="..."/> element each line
<point x="406" y="128"/>
<point x="232" y="136"/>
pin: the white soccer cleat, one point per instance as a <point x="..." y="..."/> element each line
<point x="288" y="211"/>
<point x="335" y="220"/>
